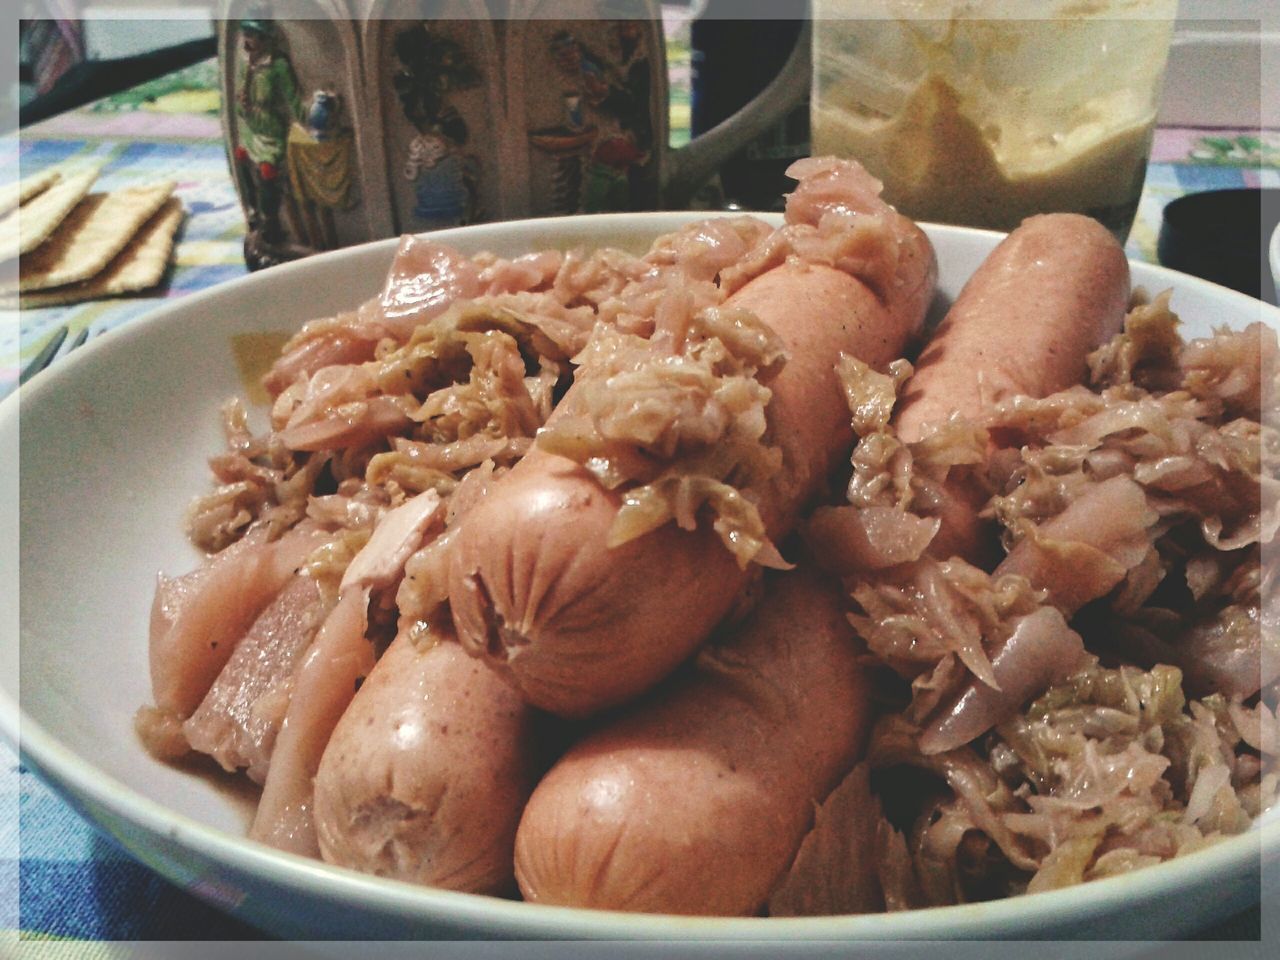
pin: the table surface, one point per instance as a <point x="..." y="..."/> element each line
<point x="77" y="884"/>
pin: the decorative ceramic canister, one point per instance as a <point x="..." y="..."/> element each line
<point x="378" y="117"/>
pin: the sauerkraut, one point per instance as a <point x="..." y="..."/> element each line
<point x="1124" y="715"/>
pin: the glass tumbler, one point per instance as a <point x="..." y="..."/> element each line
<point x="988" y="111"/>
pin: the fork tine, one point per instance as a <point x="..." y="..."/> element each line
<point x="81" y="337"/>
<point x="44" y="357"/>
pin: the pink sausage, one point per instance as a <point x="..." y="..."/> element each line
<point x="696" y="800"/>
<point x="323" y="687"/>
<point x="577" y="626"/>
<point x="427" y="772"/>
<point x="1053" y="291"/>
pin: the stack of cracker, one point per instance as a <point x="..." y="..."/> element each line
<point x="73" y="245"/>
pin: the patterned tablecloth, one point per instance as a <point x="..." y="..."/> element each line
<point x="77" y="884"/>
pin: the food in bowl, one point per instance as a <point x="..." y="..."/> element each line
<point x="399" y="599"/>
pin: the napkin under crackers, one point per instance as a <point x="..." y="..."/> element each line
<point x="90" y="245"/>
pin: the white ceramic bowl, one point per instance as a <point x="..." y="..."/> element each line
<point x="114" y="444"/>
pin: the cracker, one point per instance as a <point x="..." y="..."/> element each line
<point x="139" y="266"/>
<point x="15" y="194"/>
<point x="91" y="236"/>
<point x="32" y="223"/>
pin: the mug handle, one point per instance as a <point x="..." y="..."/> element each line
<point x="691" y="166"/>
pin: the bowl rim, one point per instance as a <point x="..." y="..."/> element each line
<point x="68" y="773"/>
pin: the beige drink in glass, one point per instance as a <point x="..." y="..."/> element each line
<point x="986" y="112"/>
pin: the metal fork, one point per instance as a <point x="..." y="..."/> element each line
<point x="49" y="352"/>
